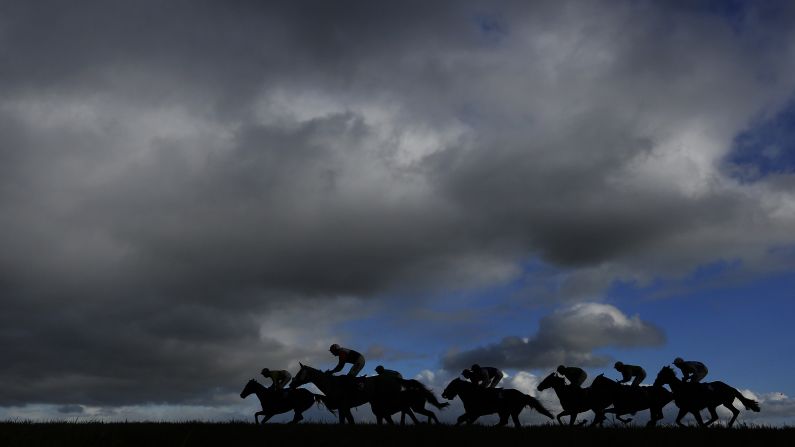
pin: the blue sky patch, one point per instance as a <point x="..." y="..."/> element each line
<point x="766" y="148"/>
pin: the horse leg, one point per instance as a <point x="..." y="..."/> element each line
<point x="598" y="418"/>
<point x="412" y="416"/>
<point x="503" y="419"/>
<point x="679" y="416"/>
<point x="349" y="416"/>
<point x="713" y="416"/>
<point x="734" y="411"/>
<point x="461" y="419"/>
<point x="626" y="421"/>
<point x="560" y="416"/>
<point x="655" y="414"/>
<point x="297" y="418"/>
<point x="428" y="413"/>
<point x="697" y="415"/>
<point x="515" y="417"/>
<point x="266" y="418"/>
<point x="573" y="418"/>
<point x="257" y="415"/>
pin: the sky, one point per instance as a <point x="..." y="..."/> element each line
<point x="192" y="191"/>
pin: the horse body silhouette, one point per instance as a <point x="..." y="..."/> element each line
<point x="480" y="401"/>
<point x="406" y="396"/>
<point x="692" y="397"/>
<point x="386" y="396"/>
<point x="631" y="399"/>
<point x="342" y="392"/>
<point x="275" y="402"/>
<point x="576" y="400"/>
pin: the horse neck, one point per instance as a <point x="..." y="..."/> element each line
<point x="605" y="382"/>
<point x="675" y="384"/>
<point x="320" y="380"/>
<point x="560" y="389"/>
<point x="465" y="389"/>
<point x="260" y="391"/>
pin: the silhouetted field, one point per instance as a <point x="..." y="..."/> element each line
<point x="317" y="435"/>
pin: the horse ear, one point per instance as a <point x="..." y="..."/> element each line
<point x="300" y="364"/>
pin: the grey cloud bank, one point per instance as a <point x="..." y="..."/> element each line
<point x="566" y="337"/>
<point x="180" y="182"/>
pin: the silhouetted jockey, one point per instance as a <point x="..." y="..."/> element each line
<point x="485" y="376"/>
<point x="383" y="372"/>
<point x="630" y="371"/>
<point x="575" y="375"/>
<point x="347" y="356"/>
<point x="692" y="371"/>
<point x="279" y="377"/>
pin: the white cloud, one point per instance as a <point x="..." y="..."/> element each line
<point x="568" y="336"/>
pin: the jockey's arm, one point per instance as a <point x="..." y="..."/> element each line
<point x="339" y="366"/>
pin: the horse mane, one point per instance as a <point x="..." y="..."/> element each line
<point x="308" y="367"/>
<point x="602" y="377"/>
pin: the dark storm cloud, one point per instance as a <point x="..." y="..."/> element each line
<point x="190" y="191"/>
<point x="566" y="337"/>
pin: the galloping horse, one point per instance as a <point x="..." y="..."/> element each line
<point x="575" y="400"/>
<point x="342" y="392"/>
<point x="406" y="396"/>
<point x="386" y="396"/>
<point x="480" y="401"/>
<point x="631" y="399"/>
<point x="275" y="402"/>
<point x="693" y="397"/>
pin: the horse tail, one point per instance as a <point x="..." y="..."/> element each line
<point x="323" y="400"/>
<point x="750" y="404"/>
<point x="428" y="394"/>
<point x="533" y="403"/>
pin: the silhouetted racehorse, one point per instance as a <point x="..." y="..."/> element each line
<point x="631" y="399"/>
<point x="575" y="400"/>
<point x="342" y="392"/>
<point x="479" y="401"/>
<point x="693" y="397"/>
<point x="275" y="402"/>
<point x="407" y="396"/>
<point x="386" y="396"/>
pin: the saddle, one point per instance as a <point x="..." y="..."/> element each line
<point x="280" y="393"/>
<point x="354" y="383"/>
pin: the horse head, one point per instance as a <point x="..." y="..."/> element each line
<point x="665" y="376"/>
<point x="452" y="389"/>
<point x="551" y="381"/>
<point x="250" y="387"/>
<point x="300" y="377"/>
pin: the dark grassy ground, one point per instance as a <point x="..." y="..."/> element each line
<point x="245" y="434"/>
